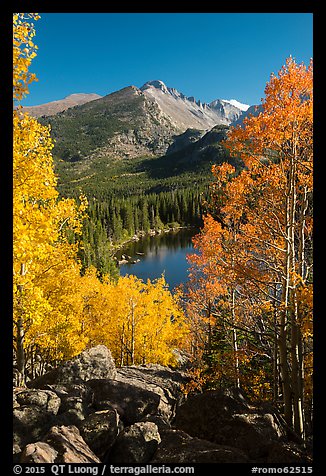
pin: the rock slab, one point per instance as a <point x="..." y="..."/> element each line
<point x="93" y="363"/>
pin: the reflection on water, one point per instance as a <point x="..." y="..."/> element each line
<point x="164" y="253"/>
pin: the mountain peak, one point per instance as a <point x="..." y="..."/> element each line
<point x="157" y="84"/>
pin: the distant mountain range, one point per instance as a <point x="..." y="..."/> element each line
<point x="54" y="107"/>
<point x="182" y="109"/>
<point x="185" y="112"/>
<point x="138" y="140"/>
<point x="131" y="122"/>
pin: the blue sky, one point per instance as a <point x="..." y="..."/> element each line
<point x="206" y="55"/>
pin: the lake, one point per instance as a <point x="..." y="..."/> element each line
<point x="164" y="253"/>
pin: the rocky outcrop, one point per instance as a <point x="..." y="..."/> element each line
<point x="162" y="381"/>
<point x="131" y="402"/>
<point x="30" y="424"/>
<point x="221" y="419"/>
<point x="62" y="444"/>
<point x="136" y="444"/>
<point x="87" y="411"/>
<point x="179" y="447"/>
<point x="226" y="418"/>
<point x="69" y="445"/>
<point x="96" y="362"/>
<point x="44" y="399"/>
<point x="100" y="430"/>
<point x="39" y="452"/>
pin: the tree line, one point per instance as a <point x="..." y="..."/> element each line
<point x="113" y="220"/>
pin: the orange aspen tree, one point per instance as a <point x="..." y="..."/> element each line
<point x="257" y="240"/>
<point x="277" y="149"/>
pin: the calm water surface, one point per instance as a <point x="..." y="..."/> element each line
<point x="164" y="253"/>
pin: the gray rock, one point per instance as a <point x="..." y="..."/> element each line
<point x="131" y="402"/>
<point x="96" y="362"/>
<point x="70" y="446"/>
<point x="71" y="390"/>
<point x="30" y="423"/>
<point x="76" y="400"/>
<point x="135" y="444"/>
<point x="72" y="403"/>
<point x="100" y="430"/>
<point x="162" y="381"/>
<point x="39" y="452"/>
<point x="179" y="447"/>
<point x="44" y="399"/>
<point x="161" y="422"/>
<point x="73" y="416"/>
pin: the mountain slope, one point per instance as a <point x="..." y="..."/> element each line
<point x="186" y="165"/>
<point x="185" y="112"/>
<point x="123" y="124"/>
<point x="54" y="107"/>
<point x="133" y="122"/>
<point x="254" y="110"/>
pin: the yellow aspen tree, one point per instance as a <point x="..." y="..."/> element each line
<point x="39" y="221"/>
<point x="140" y="322"/>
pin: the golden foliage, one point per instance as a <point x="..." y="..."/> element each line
<point x="140" y="322"/>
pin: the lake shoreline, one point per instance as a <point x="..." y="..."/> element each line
<point x="154" y="255"/>
<point x="152" y="232"/>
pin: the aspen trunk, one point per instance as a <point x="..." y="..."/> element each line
<point x="296" y="358"/>
<point x="303" y="266"/>
<point x="285" y="374"/>
<point x="21" y="363"/>
<point x="235" y="344"/>
<point x="275" y="368"/>
<point x="209" y="340"/>
<point x="122" y="347"/>
<point x="144" y="350"/>
<point x="275" y="351"/>
<point x="132" y="354"/>
<point x="283" y="337"/>
<point x="20" y="337"/>
<point x="296" y="382"/>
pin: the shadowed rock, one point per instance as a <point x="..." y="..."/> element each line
<point x="100" y="430"/>
<point x="179" y="447"/>
<point x="131" y="402"/>
<point x="136" y="444"/>
<point x="220" y="418"/>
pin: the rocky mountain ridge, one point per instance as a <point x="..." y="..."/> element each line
<point x="133" y="122"/>
<point x="185" y="112"/>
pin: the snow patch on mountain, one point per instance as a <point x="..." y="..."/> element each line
<point x="239" y="105"/>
